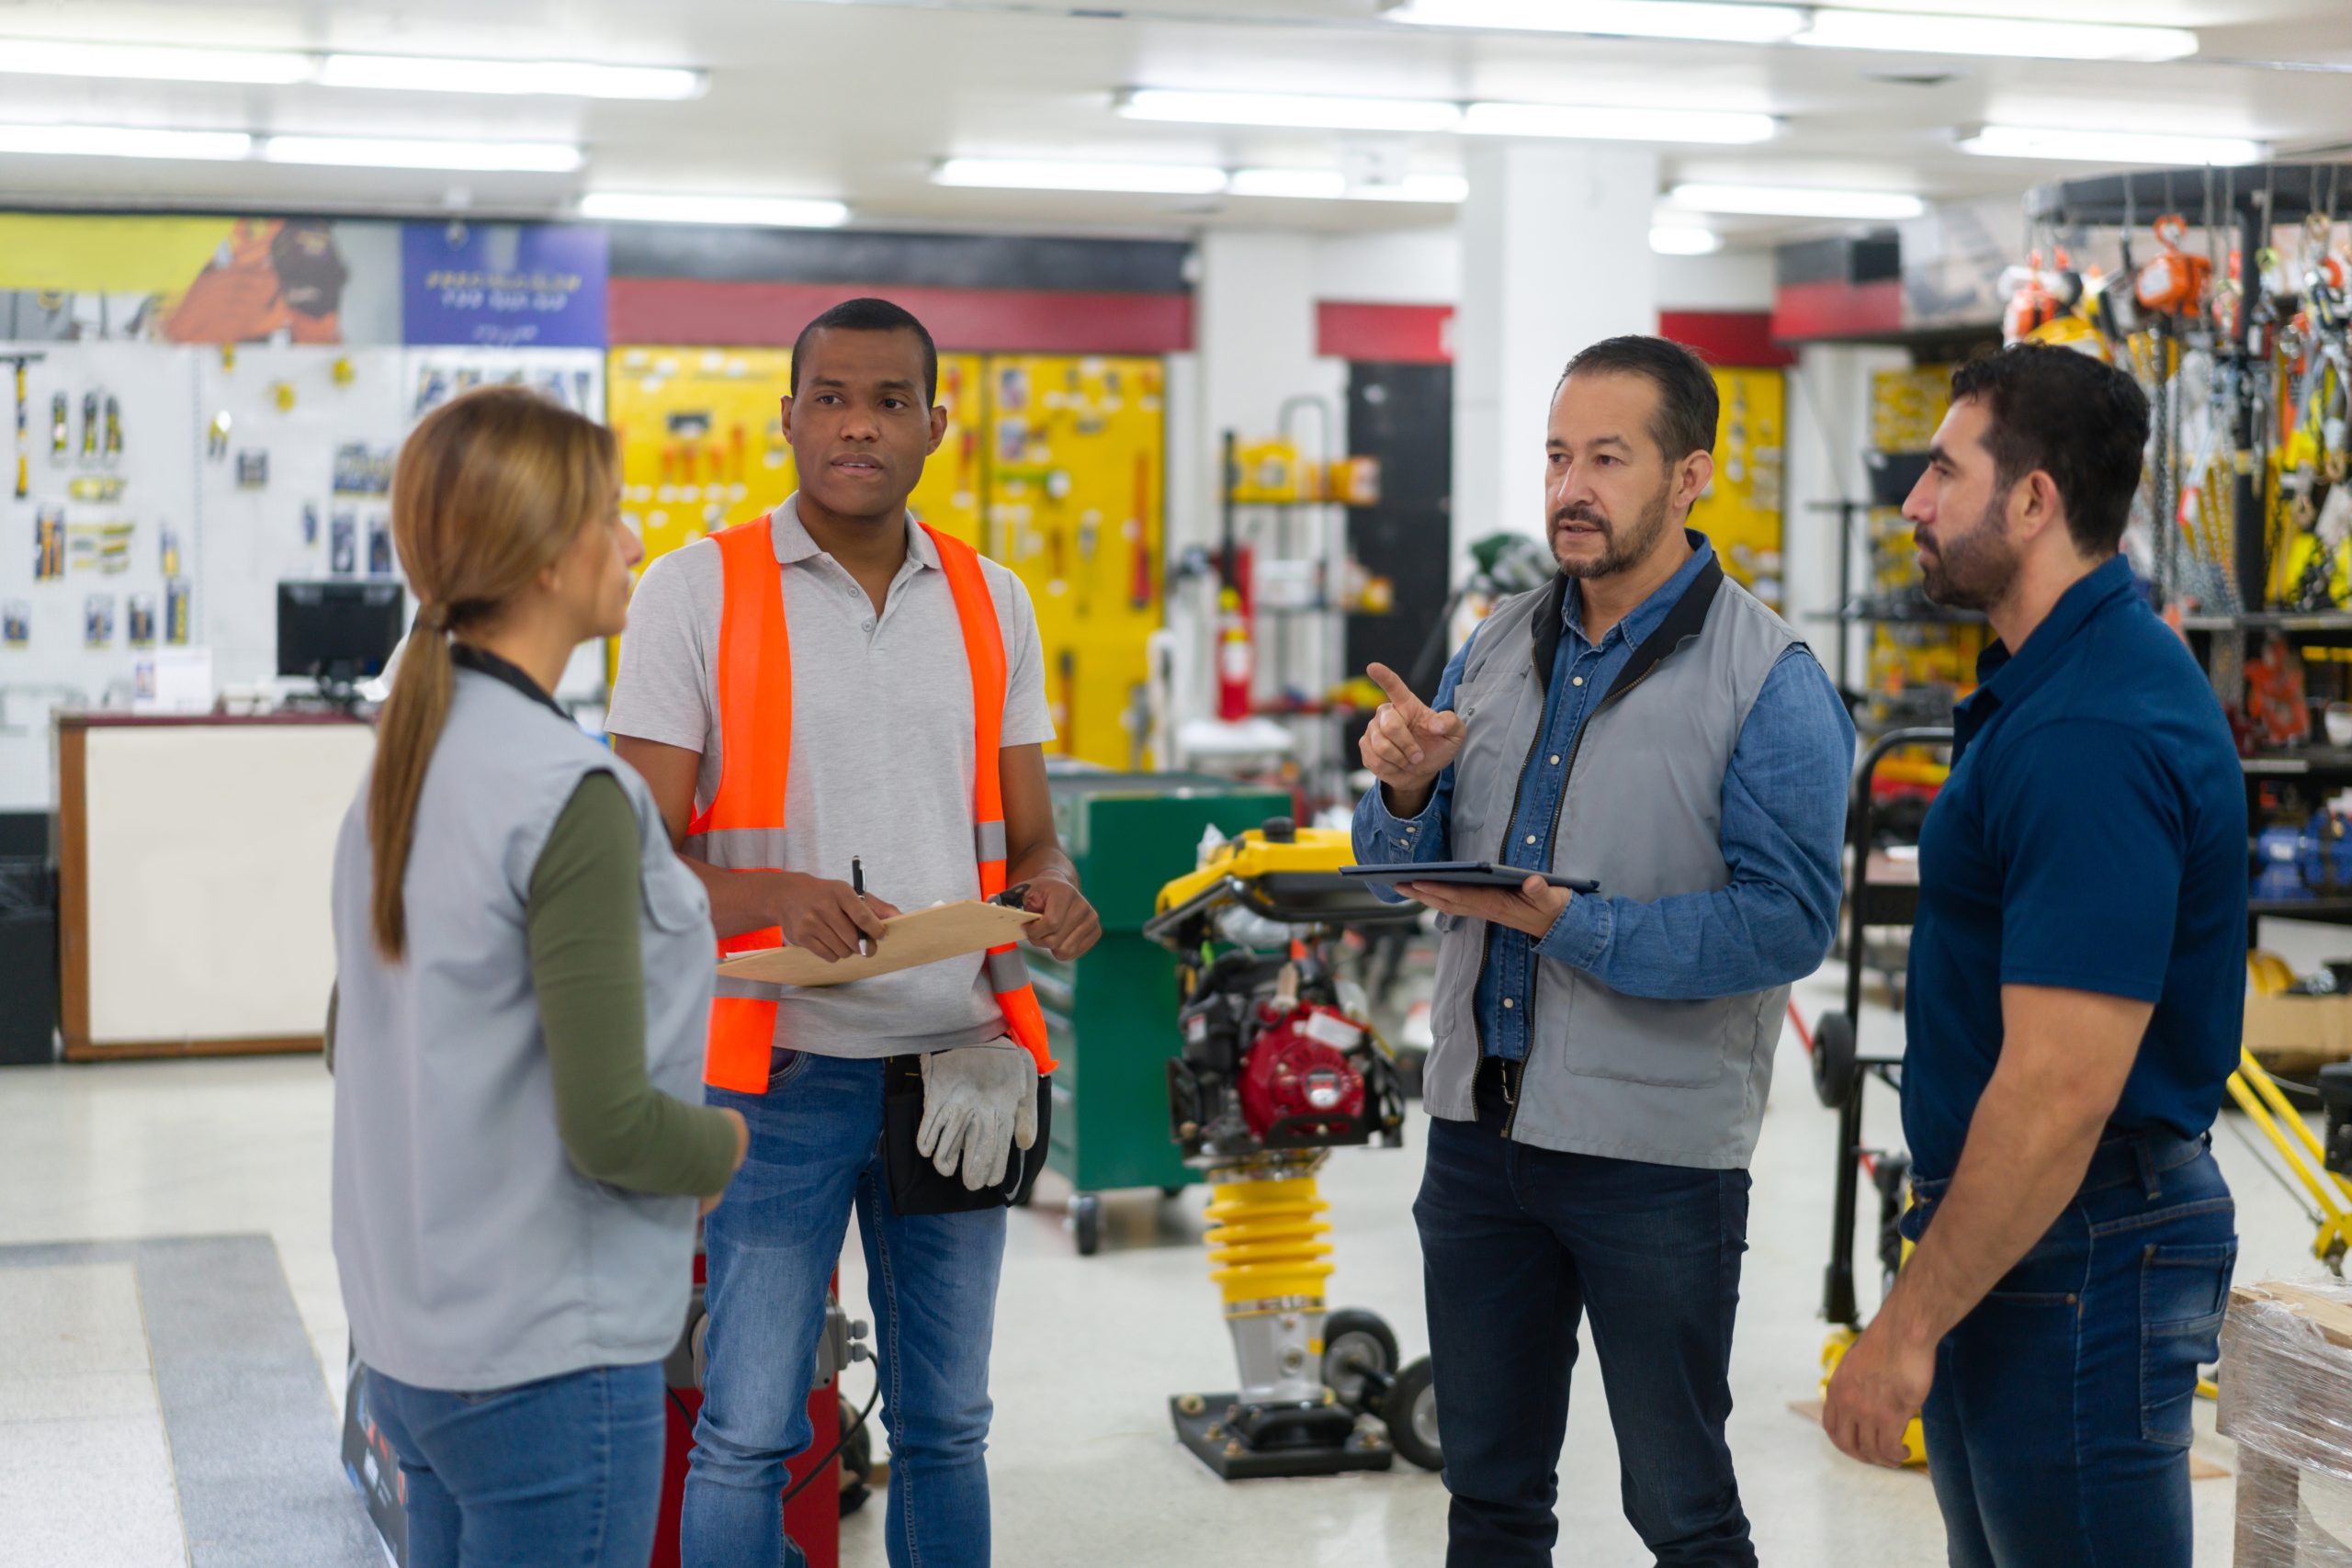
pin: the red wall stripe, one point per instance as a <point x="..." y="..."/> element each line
<point x="680" y="309"/>
<point x="1729" y="338"/>
<point x="1833" y="308"/>
<point x="1409" y="334"/>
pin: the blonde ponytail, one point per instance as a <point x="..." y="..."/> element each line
<point x="490" y="489"/>
<point x="406" y="733"/>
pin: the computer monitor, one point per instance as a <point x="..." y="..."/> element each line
<point x="338" y="633"/>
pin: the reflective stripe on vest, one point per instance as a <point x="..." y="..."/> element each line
<point x="743" y="829"/>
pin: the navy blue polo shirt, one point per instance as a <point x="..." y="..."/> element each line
<point x="2092" y="838"/>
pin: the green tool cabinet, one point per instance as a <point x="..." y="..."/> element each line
<point x="1112" y="1016"/>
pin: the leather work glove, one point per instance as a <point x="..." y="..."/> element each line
<point x="976" y="1101"/>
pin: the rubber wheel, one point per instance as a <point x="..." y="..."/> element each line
<point x="1086" y="1223"/>
<point x="857" y="1463"/>
<point x="1835" y="1079"/>
<point x="1355" y="1341"/>
<point x="1412" y="1416"/>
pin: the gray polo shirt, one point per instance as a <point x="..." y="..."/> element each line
<point x="882" y="753"/>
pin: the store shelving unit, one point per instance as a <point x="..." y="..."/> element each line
<point x="1299" y="646"/>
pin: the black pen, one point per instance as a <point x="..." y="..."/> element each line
<point x="857" y="886"/>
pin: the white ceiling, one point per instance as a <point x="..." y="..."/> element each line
<point x="857" y="99"/>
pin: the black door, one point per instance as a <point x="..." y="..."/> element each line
<point x="1403" y="414"/>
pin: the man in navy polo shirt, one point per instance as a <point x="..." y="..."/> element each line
<point x="2077" y="975"/>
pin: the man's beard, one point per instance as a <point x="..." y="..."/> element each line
<point x="1971" y="570"/>
<point x="1620" y="551"/>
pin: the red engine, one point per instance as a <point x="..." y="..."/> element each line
<point x="1298" y="1071"/>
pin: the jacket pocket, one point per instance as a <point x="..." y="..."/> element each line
<point x="674" y="899"/>
<point x="2184" y="1291"/>
<point x="1666" y="1044"/>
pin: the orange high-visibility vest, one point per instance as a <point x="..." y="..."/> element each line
<point x="743" y="829"/>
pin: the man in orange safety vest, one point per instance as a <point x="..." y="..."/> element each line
<point x="836" y="683"/>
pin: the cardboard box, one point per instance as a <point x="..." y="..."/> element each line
<point x="2305" y="1028"/>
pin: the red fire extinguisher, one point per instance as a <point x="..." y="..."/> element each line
<point x="1236" y="661"/>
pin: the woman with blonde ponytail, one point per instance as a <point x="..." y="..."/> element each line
<point x="524" y="977"/>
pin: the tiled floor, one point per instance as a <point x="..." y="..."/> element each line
<point x="86" y="1471"/>
<point x="1085" y="1470"/>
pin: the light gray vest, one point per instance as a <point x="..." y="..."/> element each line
<point x="1668" y="1082"/>
<point x="473" y="1255"/>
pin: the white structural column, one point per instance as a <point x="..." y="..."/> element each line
<point x="1556" y="255"/>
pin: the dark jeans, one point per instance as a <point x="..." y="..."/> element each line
<point x="2058" y="1427"/>
<point x="1519" y="1243"/>
<point x="565" y="1473"/>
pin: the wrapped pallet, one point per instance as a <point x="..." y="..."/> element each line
<point x="2286" y="1385"/>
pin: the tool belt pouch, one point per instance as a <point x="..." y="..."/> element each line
<point x="916" y="1186"/>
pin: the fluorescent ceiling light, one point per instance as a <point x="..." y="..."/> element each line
<point x="1797" y="201"/>
<point x="382" y="152"/>
<point x="556" y="78"/>
<point x="2111" y="146"/>
<point x="1674" y="240"/>
<point x="1911" y="33"/>
<point x="154" y="63"/>
<point x="147" y="63"/>
<point x="124" y="141"/>
<point x="1306" y="110"/>
<point x="1700" y="20"/>
<point x="1330" y="185"/>
<point x="1023" y="173"/>
<point x="771" y="212"/>
<point x="1594" y="123"/>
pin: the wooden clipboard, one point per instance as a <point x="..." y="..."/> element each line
<point x="908" y="941"/>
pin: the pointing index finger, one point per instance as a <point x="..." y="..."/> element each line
<point x="1409" y="707"/>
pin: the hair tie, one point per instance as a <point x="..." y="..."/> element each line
<point x="433" y="617"/>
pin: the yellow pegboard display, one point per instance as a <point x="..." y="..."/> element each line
<point x="1906" y="408"/>
<point x="702" y="441"/>
<point x="1051" y="464"/>
<point x="1741" y="511"/>
<point x="1075" y="492"/>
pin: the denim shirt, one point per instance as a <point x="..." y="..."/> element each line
<point x="1771" y="925"/>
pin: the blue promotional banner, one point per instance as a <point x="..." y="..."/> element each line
<point x="503" y="284"/>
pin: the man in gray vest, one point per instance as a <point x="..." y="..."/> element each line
<point x="1602" y="1058"/>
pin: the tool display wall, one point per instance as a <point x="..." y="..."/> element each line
<point x="1922" y="658"/>
<point x="101" y="549"/>
<point x="210" y="475"/>
<point x="1075" y="481"/>
<point x="1051" y="464"/>
<point x="1741" y="511"/>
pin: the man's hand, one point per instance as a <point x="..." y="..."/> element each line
<point x="829" y="919"/>
<point x="1879" y="1385"/>
<point x="1533" y="907"/>
<point x="1407" y="746"/>
<point x="1067" y="925"/>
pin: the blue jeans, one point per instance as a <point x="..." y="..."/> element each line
<point x="565" y="1473"/>
<point x="772" y="1248"/>
<point x="1517" y="1244"/>
<point x="2058" y="1425"/>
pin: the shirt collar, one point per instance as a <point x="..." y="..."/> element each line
<point x="2005" y="675"/>
<point x="1647" y="615"/>
<point x="794" y="543"/>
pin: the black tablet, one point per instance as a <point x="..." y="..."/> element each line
<point x="1465" y="873"/>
